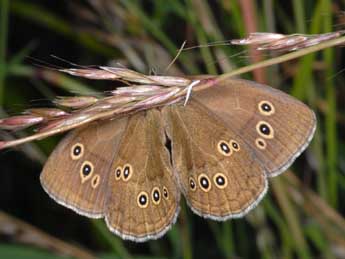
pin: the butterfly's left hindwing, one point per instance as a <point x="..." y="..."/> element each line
<point x="143" y="198"/>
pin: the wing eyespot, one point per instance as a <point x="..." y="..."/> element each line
<point x="223" y="148"/>
<point x="165" y="193"/>
<point x="234" y="145"/>
<point x="204" y="182"/>
<point x="95" y="181"/>
<point x="266" y="108"/>
<point x="118" y="173"/>
<point x="260" y="143"/>
<point x="156" y="195"/>
<point x="86" y="171"/>
<point x="127" y="172"/>
<point x="220" y="180"/>
<point x="192" y="184"/>
<point x="77" y="151"/>
<point x="265" y="130"/>
<point x="142" y="200"/>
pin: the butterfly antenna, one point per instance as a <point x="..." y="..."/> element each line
<point x="175" y="58"/>
<point x="43" y="64"/>
<point x="213" y="44"/>
<point x="72" y="63"/>
<point x="229" y="57"/>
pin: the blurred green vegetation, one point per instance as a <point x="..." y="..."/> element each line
<point x="302" y="216"/>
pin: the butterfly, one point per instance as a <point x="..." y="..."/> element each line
<point x="218" y="152"/>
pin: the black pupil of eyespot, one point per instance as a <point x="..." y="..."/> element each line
<point x="204" y="182"/>
<point x="266" y="107"/>
<point x="156" y="195"/>
<point x="118" y="172"/>
<point x="220" y="180"/>
<point x="192" y="184"/>
<point x="165" y="192"/>
<point x="234" y="145"/>
<point x="86" y="169"/>
<point x="126" y="172"/>
<point x="77" y="150"/>
<point x="261" y="143"/>
<point x="142" y="199"/>
<point x="264" y="129"/>
<point x="225" y="147"/>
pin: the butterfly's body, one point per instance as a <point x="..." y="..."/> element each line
<point x="224" y="144"/>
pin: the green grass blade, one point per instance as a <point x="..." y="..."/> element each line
<point x="331" y="130"/>
<point x="115" y="243"/>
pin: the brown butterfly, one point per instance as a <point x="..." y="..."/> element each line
<point x="218" y="151"/>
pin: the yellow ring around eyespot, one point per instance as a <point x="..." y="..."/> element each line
<point x="152" y="195"/>
<point x="76" y="157"/>
<point x="258" y="144"/>
<point x="263" y="112"/>
<point x="96" y="178"/>
<point x="270" y="135"/>
<point x="147" y="200"/>
<point x="208" y="180"/>
<point x="87" y="177"/>
<point x="225" y="180"/>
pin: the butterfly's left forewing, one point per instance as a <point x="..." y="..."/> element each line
<point x="76" y="173"/>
